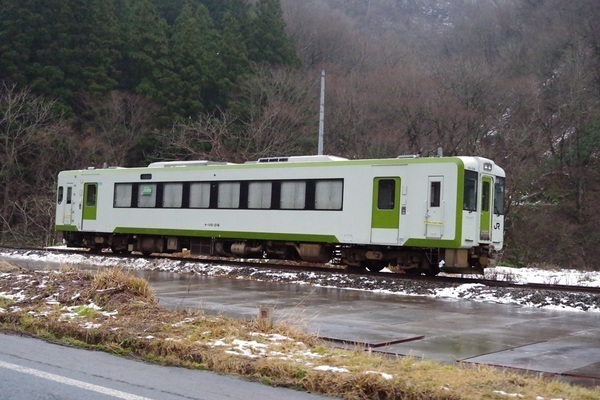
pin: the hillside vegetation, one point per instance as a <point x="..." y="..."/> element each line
<point x="127" y="82"/>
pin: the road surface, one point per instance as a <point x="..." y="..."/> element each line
<point x="32" y="369"/>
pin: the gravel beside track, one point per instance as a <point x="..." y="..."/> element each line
<point x="585" y="299"/>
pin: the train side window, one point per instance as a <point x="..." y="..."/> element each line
<point x="172" y="195"/>
<point x="499" y="196"/>
<point x="90" y="199"/>
<point x="69" y="195"/>
<point x="276" y="195"/>
<point x="259" y="194"/>
<point x="485" y="196"/>
<point x="123" y="193"/>
<point x="386" y="194"/>
<point x="470" y="191"/>
<point x="293" y="195"/>
<point x="229" y="195"/>
<point x="435" y="195"/>
<point x="199" y="195"/>
<point x="146" y="195"/>
<point x="61" y="194"/>
<point x="328" y="195"/>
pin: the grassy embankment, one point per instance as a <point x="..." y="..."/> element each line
<point x="114" y="311"/>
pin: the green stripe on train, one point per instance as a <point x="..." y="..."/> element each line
<point x="66" y="228"/>
<point x="294" y="237"/>
<point x="433" y="243"/>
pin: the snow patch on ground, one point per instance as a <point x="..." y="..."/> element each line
<point x="473" y="292"/>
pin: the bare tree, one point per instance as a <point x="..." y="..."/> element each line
<point x="275" y="114"/>
<point x="28" y="124"/>
<point x="325" y="36"/>
<point x="572" y="110"/>
<point x="117" y="122"/>
<point x="207" y="138"/>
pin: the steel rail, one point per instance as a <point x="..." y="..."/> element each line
<point x="301" y="266"/>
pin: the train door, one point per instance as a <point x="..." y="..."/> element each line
<point x="434" y="218"/>
<point x="67" y="215"/>
<point x="485" y="221"/>
<point x="90" y="201"/>
<point x="385" y="215"/>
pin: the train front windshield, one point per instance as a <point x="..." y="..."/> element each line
<point x="499" y="196"/>
<point x="470" y="194"/>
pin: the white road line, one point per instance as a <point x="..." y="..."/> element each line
<point x="72" y="382"/>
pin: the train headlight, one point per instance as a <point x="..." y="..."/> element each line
<point x="487" y="166"/>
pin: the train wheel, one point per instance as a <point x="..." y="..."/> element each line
<point x="355" y="268"/>
<point x="430" y="269"/>
<point x="119" y="250"/>
<point x="374" y="266"/>
<point x="97" y="249"/>
<point x="412" y="271"/>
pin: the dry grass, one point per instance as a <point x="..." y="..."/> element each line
<point x="116" y="312"/>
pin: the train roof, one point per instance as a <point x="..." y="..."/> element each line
<point x="470" y="162"/>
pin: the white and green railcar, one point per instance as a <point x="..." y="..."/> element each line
<point x="408" y="213"/>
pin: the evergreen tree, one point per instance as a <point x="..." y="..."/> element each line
<point x="16" y="37"/>
<point x="170" y="9"/>
<point x="268" y="41"/>
<point x="60" y="47"/>
<point x="195" y="75"/>
<point x="232" y="52"/>
<point x="235" y="8"/>
<point x="94" y="43"/>
<point x="34" y="42"/>
<point x="145" y="52"/>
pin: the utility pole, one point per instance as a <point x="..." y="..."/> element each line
<point x="322" y="114"/>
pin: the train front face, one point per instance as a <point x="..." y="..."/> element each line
<point x="483" y="208"/>
<point x="66" y="214"/>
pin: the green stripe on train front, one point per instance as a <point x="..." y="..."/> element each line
<point x="66" y="228"/>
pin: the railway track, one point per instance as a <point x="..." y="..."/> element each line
<point x="303" y="267"/>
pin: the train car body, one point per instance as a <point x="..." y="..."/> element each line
<point x="409" y="213"/>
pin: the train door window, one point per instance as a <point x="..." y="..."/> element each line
<point x="328" y="195"/>
<point x="91" y="194"/>
<point x="60" y="195"/>
<point x="485" y="196"/>
<point x="69" y="194"/>
<point x="229" y="195"/>
<point x="172" y="195"/>
<point x="386" y="189"/>
<point x="293" y="195"/>
<point x="435" y="194"/>
<point x="123" y="192"/>
<point x="200" y="195"/>
<point x="470" y="191"/>
<point x="259" y="194"/>
<point x="499" y="196"/>
<point x="147" y="195"/>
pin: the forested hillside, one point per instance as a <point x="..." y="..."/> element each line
<point x="514" y="80"/>
<point x="130" y="81"/>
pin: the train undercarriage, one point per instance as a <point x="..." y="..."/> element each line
<point x="356" y="257"/>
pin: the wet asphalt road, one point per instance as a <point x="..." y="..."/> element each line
<point x="446" y="330"/>
<point x="31" y="369"/>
